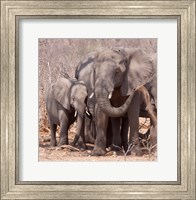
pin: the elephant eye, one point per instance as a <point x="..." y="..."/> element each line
<point x="73" y="97"/>
<point x="117" y="70"/>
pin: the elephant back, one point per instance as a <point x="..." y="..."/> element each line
<point x="84" y="71"/>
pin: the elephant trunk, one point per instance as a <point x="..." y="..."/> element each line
<point x="79" y="128"/>
<point x="105" y="105"/>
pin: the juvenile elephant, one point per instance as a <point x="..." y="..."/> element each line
<point x="118" y="73"/>
<point x="63" y="98"/>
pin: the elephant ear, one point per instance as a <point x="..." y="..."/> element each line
<point x="61" y="90"/>
<point x="139" y="71"/>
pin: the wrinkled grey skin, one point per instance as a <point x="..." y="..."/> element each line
<point x="120" y="72"/>
<point x="63" y="98"/>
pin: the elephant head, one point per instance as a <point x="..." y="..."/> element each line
<point x="126" y="69"/>
<point x="78" y="95"/>
<point x="70" y="92"/>
<point x="61" y="89"/>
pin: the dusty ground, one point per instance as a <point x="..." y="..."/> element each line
<point x="69" y="153"/>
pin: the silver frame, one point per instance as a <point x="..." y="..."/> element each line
<point x="11" y="12"/>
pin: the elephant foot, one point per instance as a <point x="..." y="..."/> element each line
<point x="98" y="152"/>
<point x="53" y="143"/>
<point x="63" y="141"/>
<point x="81" y="146"/>
<point x="114" y="147"/>
<point x="89" y="139"/>
<point x="125" y="146"/>
<point x="136" y="151"/>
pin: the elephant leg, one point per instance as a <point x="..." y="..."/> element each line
<point x="53" y="142"/>
<point x="133" y="115"/>
<point x="116" y="135"/>
<point x="64" y="125"/>
<point x="152" y="113"/>
<point x="79" y="136"/>
<point x="100" y="141"/>
<point x="81" y="141"/>
<point x="153" y="137"/>
<point x="88" y="131"/>
<point x="93" y="130"/>
<point x="90" y="127"/>
<point x="149" y="107"/>
<point x="63" y="134"/>
<point x="109" y="134"/>
<point x="81" y="144"/>
<point x="124" y="132"/>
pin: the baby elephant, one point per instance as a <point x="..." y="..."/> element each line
<point x="63" y="98"/>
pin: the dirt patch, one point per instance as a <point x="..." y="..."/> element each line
<point x="69" y="153"/>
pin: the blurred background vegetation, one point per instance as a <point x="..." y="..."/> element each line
<point x="57" y="55"/>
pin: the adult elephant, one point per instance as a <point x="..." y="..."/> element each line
<point x="63" y="98"/>
<point x="85" y="72"/>
<point x="117" y="75"/>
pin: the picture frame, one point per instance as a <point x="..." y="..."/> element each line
<point x="11" y="12"/>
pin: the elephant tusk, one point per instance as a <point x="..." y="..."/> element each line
<point x="75" y="113"/>
<point x="88" y="113"/>
<point x="91" y="95"/>
<point x="110" y="95"/>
